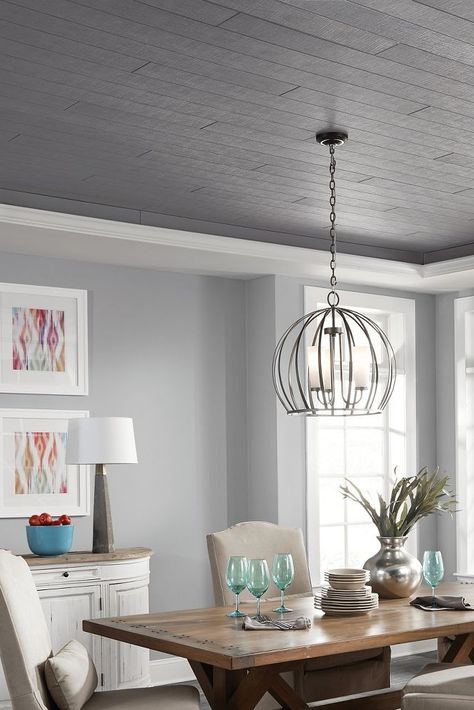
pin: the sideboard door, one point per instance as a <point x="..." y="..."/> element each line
<point x="129" y="665"/>
<point x="64" y="610"/>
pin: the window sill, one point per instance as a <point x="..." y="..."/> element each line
<point x="464" y="577"/>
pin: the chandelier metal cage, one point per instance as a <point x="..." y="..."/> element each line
<point x="334" y="361"/>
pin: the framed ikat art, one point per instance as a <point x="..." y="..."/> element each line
<point x="43" y="347"/>
<point x="35" y="476"/>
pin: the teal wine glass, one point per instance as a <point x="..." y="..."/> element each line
<point x="283" y="574"/>
<point x="236" y="578"/>
<point x="258" y="581"/>
<point x="433" y="569"/>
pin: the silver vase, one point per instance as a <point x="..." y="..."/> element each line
<point x="394" y="573"/>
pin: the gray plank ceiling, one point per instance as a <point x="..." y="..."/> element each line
<point x="201" y="115"/>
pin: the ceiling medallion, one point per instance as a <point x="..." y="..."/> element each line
<point x="334" y="361"/>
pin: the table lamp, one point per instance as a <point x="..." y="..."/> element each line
<point x="100" y="441"/>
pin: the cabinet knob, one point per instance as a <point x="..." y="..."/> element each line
<point x="65" y="574"/>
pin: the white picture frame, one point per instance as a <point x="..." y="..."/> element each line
<point x="35" y="477"/>
<point x="43" y="340"/>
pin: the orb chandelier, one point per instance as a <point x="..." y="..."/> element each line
<point x="334" y="361"/>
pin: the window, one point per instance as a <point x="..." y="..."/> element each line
<point x="464" y="358"/>
<point x="363" y="449"/>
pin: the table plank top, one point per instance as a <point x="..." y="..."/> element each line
<point x="209" y="636"/>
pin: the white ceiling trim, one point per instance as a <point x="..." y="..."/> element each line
<point x="53" y="234"/>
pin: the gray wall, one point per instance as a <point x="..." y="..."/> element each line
<point x="168" y="350"/>
<point x="261" y="404"/>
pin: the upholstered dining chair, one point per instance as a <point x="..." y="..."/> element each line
<point x="322" y="678"/>
<point x="440" y="686"/>
<point x="25" y="646"/>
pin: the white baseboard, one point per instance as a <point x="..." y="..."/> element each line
<point x="165" y="671"/>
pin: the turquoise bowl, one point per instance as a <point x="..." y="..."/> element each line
<point x="49" y="540"/>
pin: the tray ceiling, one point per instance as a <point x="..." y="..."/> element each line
<point x="201" y="116"/>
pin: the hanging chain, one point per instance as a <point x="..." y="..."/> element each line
<point x="332" y="217"/>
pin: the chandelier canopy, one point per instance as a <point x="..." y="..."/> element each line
<point x="334" y="361"/>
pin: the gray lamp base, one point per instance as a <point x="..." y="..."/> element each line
<point x="103" y="535"/>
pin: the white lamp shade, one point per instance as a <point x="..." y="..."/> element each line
<point x="101" y="440"/>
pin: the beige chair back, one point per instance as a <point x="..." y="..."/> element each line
<point x="257" y="540"/>
<point x="25" y="643"/>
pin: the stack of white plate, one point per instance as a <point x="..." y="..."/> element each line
<point x="347" y="593"/>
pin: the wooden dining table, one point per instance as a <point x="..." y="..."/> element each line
<point x="235" y="667"/>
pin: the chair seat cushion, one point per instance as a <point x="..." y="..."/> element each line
<point x="443" y="679"/>
<point x="71" y="676"/>
<point x="181" y="697"/>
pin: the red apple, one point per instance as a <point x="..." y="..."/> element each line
<point x="56" y="522"/>
<point x="65" y="520"/>
<point x="34" y="520"/>
<point x="45" y="519"/>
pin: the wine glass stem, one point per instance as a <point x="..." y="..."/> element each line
<point x="282" y="598"/>
<point x="237" y="603"/>
<point x="433" y="591"/>
<point x="258" y="607"/>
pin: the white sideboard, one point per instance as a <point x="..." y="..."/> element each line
<point x="83" y="585"/>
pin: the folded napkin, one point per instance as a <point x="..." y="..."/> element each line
<point x="441" y="603"/>
<point x="267" y="624"/>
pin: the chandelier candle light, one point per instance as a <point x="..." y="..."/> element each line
<point x="334" y="361"/>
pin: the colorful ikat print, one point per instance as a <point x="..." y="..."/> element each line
<point x="38" y="339"/>
<point x="40" y="462"/>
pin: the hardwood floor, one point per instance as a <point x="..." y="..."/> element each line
<point x="403" y="669"/>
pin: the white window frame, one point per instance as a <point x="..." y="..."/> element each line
<point x="397" y="306"/>
<point x="464" y="420"/>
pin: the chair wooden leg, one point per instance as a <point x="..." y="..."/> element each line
<point x="204" y="677"/>
<point x="444" y="644"/>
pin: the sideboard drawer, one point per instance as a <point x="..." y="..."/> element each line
<point x="65" y="575"/>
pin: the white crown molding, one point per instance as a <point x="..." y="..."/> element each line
<point x="60" y="235"/>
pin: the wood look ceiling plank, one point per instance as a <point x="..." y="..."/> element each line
<point x="196" y="35"/>
<point x="243" y="70"/>
<point x="141" y="54"/>
<point x="208" y="12"/>
<point x="73" y="132"/>
<point x="448" y="119"/>
<point x="357" y="106"/>
<point x="393" y="30"/>
<point x="398" y="88"/>
<point x="320" y="98"/>
<point x="70" y="47"/>
<point x="402" y="21"/>
<point x="170" y="168"/>
<point x="323" y="161"/>
<point x="29" y="99"/>
<point x="438" y="66"/>
<point x="258" y="44"/>
<point x="236" y="131"/>
<point x="276" y="12"/>
<point x="444" y="23"/>
<point x="296" y="178"/>
<point x="157" y="100"/>
<point x="458" y="8"/>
